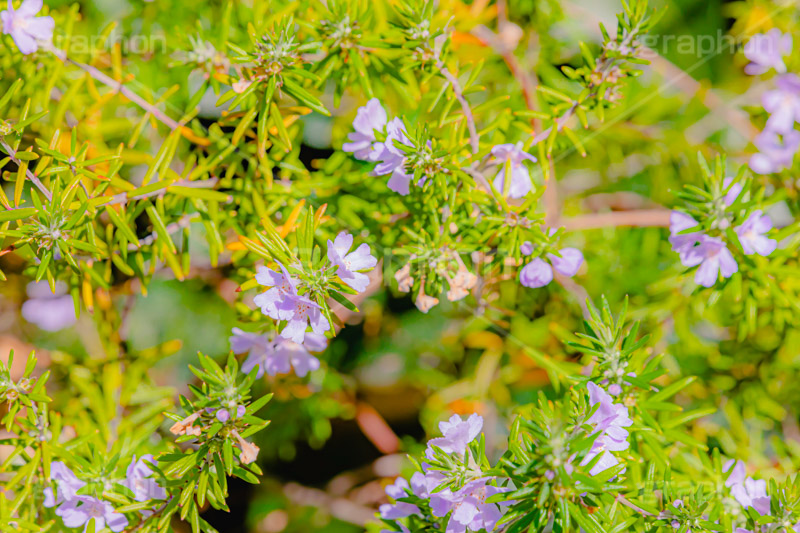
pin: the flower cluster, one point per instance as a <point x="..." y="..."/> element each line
<point x="752" y="494"/>
<point x="277" y="355"/>
<point x="609" y="421"/>
<point x="539" y="273"/>
<point x="748" y="492"/>
<point x="77" y="509"/>
<point x="709" y="251"/>
<point x="289" y="300"/>
<point x="381" y="148"/>
<point x="452" y="484"/>
<point x="779" y="141"/>
<point x="283" y="302"/>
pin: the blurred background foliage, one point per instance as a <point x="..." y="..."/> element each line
<point x="393" y="373"/>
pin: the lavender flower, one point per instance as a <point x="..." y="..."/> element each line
<point x="714" y="259"/>
<point x="751" y="234"/>
<point x="766" y="51"/>
<point x="610" y="421"/>
<point x="278" y="356"/>
<point x="393" y="160"/>
<point x="746" y="490"/>
<point x="303" y="313"/>
<point x="139" y="481"/>
<point x="391" y="157"/>
<point x="568" y="264"/>
<point x="399" y="489"/>
<point x="776" y="151"/>
<point x="466" y="506"/>
<point x="536" y="274"/>
<point x="513" y="156"/>
<point x="470" y="512"/>
<point x="783" y="103"/>
<point x="49" y="311"/>
<point x="539" y="273"/>
<point x="733" y="191"/>
<point x="224" y="414"/>
<point x="349" y="265"/>
<point x="67" y="485"/>
<point x="456" y="434"/>
<point x="362" y="143"/>
<point x="682" y="242"/>
<point x="25" y="27"/>
<point x="282" y="302"/>
<point x="79" y="511"/>
<point x="282" y="287"/>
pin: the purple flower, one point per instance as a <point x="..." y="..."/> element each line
<point x="606" y="461"/>
<point x="751" y="234"/>
<point x="682" y="242"/>
<point x="393" y="160"/>
<point x="513" y="156"/>
<point x="49" y="311"/>
<point x="302" y="313"/>
<point x="766" y="51"/>
<point x="399" y="181"/>
<point x="747" y="491"/>
<point x="776" y="151"/>
<point x="568" y="264"/>
<point x="399" y="489"/>
<point x="470" y="512"/>
<point x="391" y="157"/>
<point x="282" y="287"/>
<point x="539" y="273"/>
<point x="278" y="356"/>
<point x="349" y="264"/>
<point x="456" y="434"/>
<point x="362" y="143"/>
<point x="736" y="472"/>
<point x="714" y="259"/>
<point x="783" y="103"/>
<point x="536" y="274"/>
<point x="282" y="302"/>
<point x="25" y="28"/>
<point x="67" y="485"/>
<point x="526" y="248"/>
<point x="139" y="481"/>
<point x="80" y="510"/>
<point x="733" y="191"/>
<point x="609" y="420"/>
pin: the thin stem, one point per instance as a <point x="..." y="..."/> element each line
<point x="637" y="218"/>
<point x="458" y="91"/>
<point x="31" y="176"/>
<point x="123" y="197"/>
<point x="120" y="88"/>
<point x="624" y="501"/>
